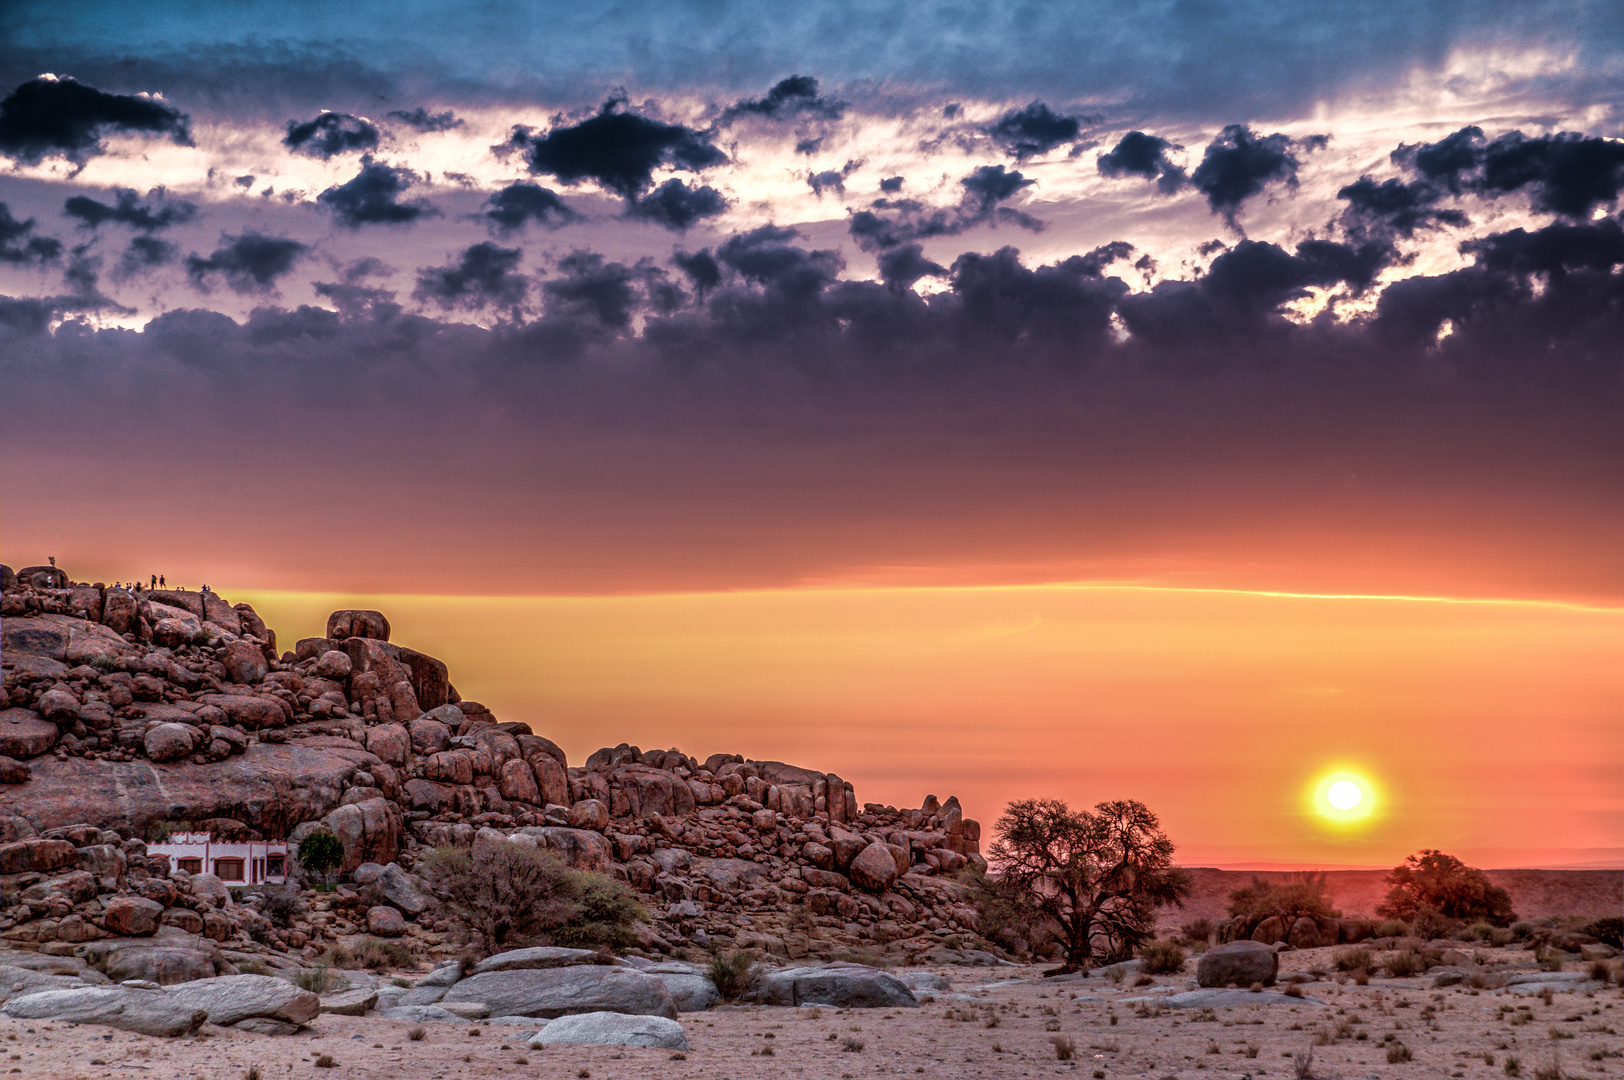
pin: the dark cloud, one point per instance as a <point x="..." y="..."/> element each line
<point x="421" y="119"/>
<point x="160" y="212"/>
<point x="1139" y="154"/>
<point x="1567" y="173"/>
<point x="701" y="269"/>
<point x="794" y="97"/>
<point x="1394" y="207"/>
<point x="482" y="276"/>
<point x="244" y="181"/>
<point x="58" y="117"/>
<point x="607" y="291"/>
<point x="331" y="134"/>
<point x="1034" y="130"/>
<point x="619" y="150"/>
<point x="1239" y="164"/>
<point x="676" y="206"/>
<point x="809" y="146"/>
<point x="146" y="253"/>
<point x="904" y="221"/>
<point x="902" y="266"/>
<point x="766" y="256"/>
<point x="249" y="263"/>
<point x="520" y="203"/>
<point x="18" y="245"/>
<point x="891" y="185"/>
<point x="832" y="179"/>
<point x="358" y="301"/>
<point x="372" y="197"/>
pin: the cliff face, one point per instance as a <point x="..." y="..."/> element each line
<point x="128" y="709"/>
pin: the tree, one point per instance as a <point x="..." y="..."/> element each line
<point x="1431" y="881"/>
<point x="505" y="896"/>
<point x="321" y="852"/>
<point x="1302" y="893"/>
<point x="1099" y="876"/>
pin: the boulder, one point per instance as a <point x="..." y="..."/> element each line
<point x="395" y="886"/>
<point x="690" y="987"/>
<point x="230" y="998"/>
<point x="550" y="992"/>
<point x="164" y="965"/>
<point x="389" y="742"/>
<point x="132" y="916"/>
<point x="612" y="1029"/>
<point x="874" y="868"/>
<point x="357" y="1002"/>
<point x="250" y="712"/>
<point x="385" y="921"/>
<point x="418" y="1014"/>
<point x="517" y="781"/>
<point x="169" y="742"/>
<point x="1239" y="963"/>
<point x="40" y="856"/>
<point x="244" y="662"/>
<point x="146" y="1012"/>
<point x="25" y="734"/>
<point x="334" y="664"/>
<point x="13" y="771"/>
<point x="370" y="830"/>
<point x="581" y="848"/>
<point x="589" y="814"/>
<point x="543" y="956"/>
<point x="841" y="985"/>
<point x="924" y="980"/>
<point x="357" y="623"/>
<point x="429" y="736"/>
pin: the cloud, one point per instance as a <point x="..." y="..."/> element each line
<point x="1393" y="206"/>
<point x="1239" y="164"/>
<point x="250" y="262"/>
<point x="1139" y="154"/>
<point x="832" y="179"/>
<point x="159" y="213"/>
<point x="766" y="257"/>
<point x="146" y="253"/>
<point x="1034" y="130"/>
<point x="701" y="269"/>
<point x="482" y="276"/>
<point x="520" y="203"/>
<point x="372" y="196"/>
<point x="1567" y="173"/>
<point x="607" y="291"/>
<point x="891" y="185"/>
<point x="902" y="266"/>
<point x="619" y="150"/>
<point x="420" y="119"/>
<point x="331" y="134"/>
<point x="795" y="96"/>
<point x="676" y="206"/>
<point x="58" y="117"/>
<point x="18" y="247"/>
<point x="908" y="220"/>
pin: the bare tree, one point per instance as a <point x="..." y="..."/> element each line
<point x="1099" y="876"/>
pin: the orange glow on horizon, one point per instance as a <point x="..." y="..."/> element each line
<point x="1493" y="725"/>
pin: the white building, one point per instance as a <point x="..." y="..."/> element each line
<point x="252" y="862"/>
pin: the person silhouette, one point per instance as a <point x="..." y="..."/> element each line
<point x="161" y="584"/>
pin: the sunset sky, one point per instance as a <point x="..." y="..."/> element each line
<point x="1176" y="401"/>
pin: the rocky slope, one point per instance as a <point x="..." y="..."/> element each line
<point x="126" y="711"/>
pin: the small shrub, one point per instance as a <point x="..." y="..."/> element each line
<point x="252" y="1073"/>
<point x="1397" y="1052"/>
<point x="325" y="1061"/>
<point x="1392" y="928"/>
<point x="1197" y="931"/>
<point x="1162" y="958"/>
<point x="1302" y="1064"/>
<point x="317" y="980"/>
<point x="733" y="973"/>
<point x="1429" y="924"/>
<point x="376" y="954"/>
<point x="1292" y="990"/>
<point x="1353" y="958"/>
<point x="991" y="1021"/>
<point x="1512" y="1066"/>
<point x="1522" y="930"/>
<point x="1599" y="971"/>
<point x="416" y="1034"/>
<point x="1361" y="977"/>
<point x="1553" y="1071"/>
<point x="1404" y="963"/>
<point x="1608" y="930"/>
<point x="283" y="906"/>
<point x="851" y="1044"/>
<point x="1064" y="1048"/>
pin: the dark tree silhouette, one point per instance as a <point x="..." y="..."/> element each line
<point x="1098" y="875"/>
<point x="1432" y="881"/>
<point x="322" y="853"/>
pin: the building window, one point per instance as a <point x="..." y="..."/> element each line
<point x="190" y="865"/>
<point x="228" y="869"/>
<point x="274" y="865"/>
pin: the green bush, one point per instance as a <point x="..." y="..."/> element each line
<point x="1432" y="880"/>
<point x="321" y="852"/>
<point x="1304" y="893"/>
<point x="1392" y="928"/>
<point x="1198" y="931"/>
<point x="1430" y="924"/>
<point x="733" y="973"/>
<point x="1162" y="958"/>
<point x="1353" y="958"/>
<point x="1609" y="930"/>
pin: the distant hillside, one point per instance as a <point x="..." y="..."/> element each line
<point x="1535" y="894"/>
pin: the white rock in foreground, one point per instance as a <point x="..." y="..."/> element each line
<point x="146" y="1012"/>
<point x="613" y="1029"/>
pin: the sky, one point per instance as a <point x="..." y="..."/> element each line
<point x="966" y="397"/>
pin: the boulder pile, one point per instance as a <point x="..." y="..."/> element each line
<point x="127" y="711"/>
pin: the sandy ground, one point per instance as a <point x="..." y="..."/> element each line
<point x="1455" y="1032"/>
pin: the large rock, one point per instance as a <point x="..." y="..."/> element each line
<point x="146" y="1012"/>
<point x="357" y="623"/>
<point x="395" y="886"/>
<point x="690" y="987"/>
<point x="169" y="742"/>
<point x="370" y="831"/>
<point x="385" y="921"/>
<point x="538" y="958"/>
<point x="581" y="848"/>
<point x="132" y="916"/>
<point x="1239" y="963"/>
<point x="518" y="781"/>
<point x="40" y="856"/>
<point x="845" y="986"/>
<point x="357" y="1002"/>
<point x="612" y="1029"/>
<point x="244" y="662"/>
<point x="874" y="868"/>
<point x="249" y="711"/>
<point x="161" y="964"/>
<point x="550" y="992"/>
<point x="25" y="734"/>
<point x="230" y="998"/>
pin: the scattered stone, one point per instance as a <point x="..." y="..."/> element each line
<point x="1239" y="963"/>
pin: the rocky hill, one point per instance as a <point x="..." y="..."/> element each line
<point x="128" y="711"/>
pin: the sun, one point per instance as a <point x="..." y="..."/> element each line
<point x="1342" y="797"/>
